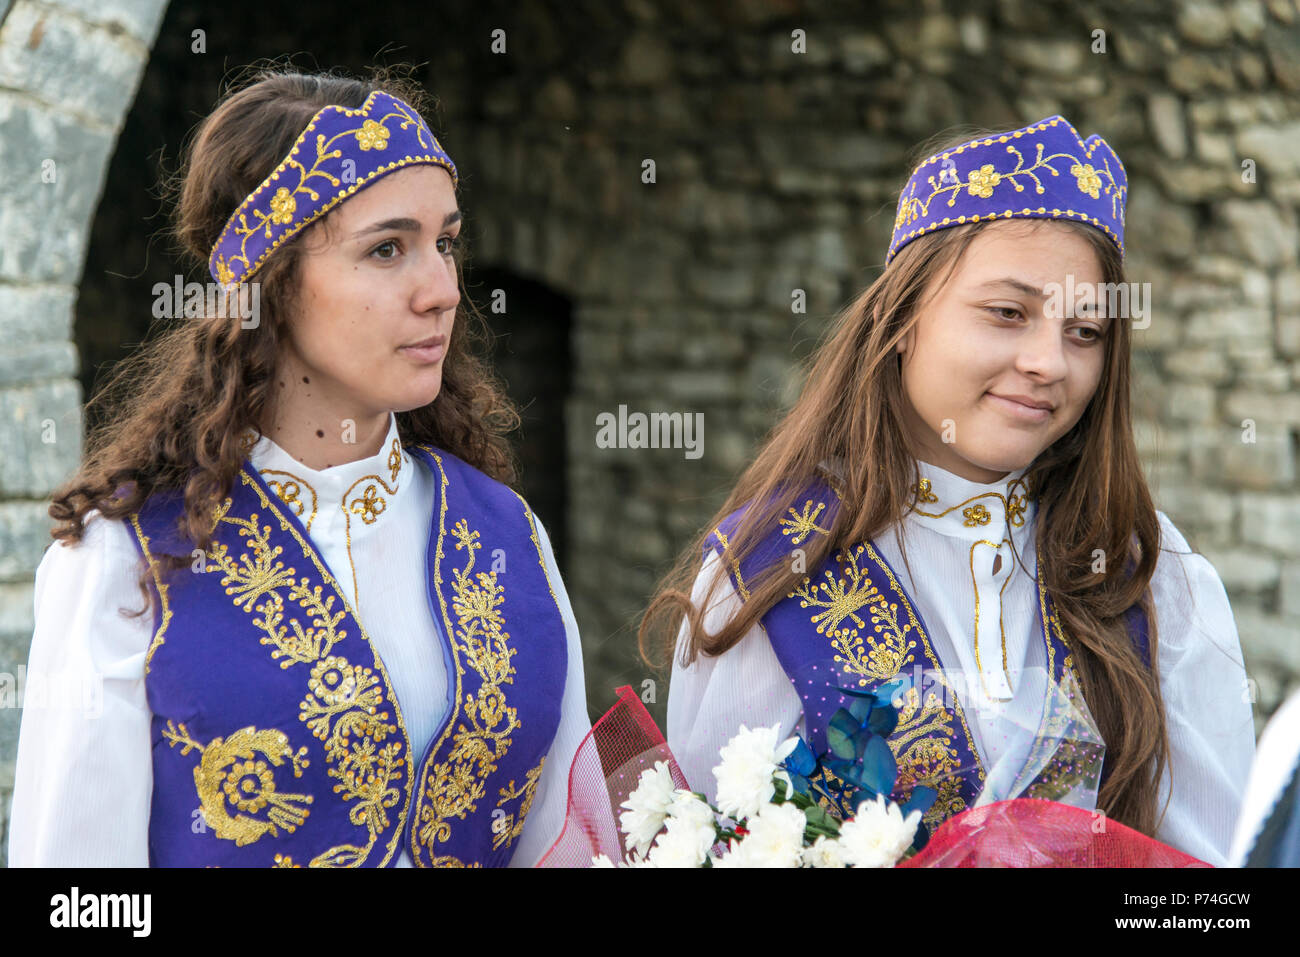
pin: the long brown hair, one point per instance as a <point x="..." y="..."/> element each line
<point x="1089" y="485"/>
<point x="174" y="412"/>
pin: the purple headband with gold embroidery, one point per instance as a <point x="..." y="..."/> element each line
<point x="1044" y="171"/>
<point x="350" y="150"/>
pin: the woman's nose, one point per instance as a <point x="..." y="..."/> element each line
<point x="441" y="288"/>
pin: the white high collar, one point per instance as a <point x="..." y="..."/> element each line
<point x="972" y="511"/>
<point x="356" y="494"/>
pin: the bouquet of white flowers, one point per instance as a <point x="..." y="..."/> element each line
<point x="760" y="820"/>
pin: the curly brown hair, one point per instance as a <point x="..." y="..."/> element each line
<point x="173" y="413"/>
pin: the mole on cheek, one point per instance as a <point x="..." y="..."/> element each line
<point x="320" y="434"/>
<point x="306" y="380"/>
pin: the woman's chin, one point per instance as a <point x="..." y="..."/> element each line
<point x="423" y="388"/>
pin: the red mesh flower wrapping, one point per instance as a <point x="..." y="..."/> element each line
<point x="606" y="767"/>
<point x="1028" y="832"/>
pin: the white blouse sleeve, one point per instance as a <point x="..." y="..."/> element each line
<point x="711" y="699"/>
<point x="1207" y="702"/>
<point x="84" y="775"/>
<point x="545" y="820"/>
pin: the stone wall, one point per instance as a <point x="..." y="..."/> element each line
<point x="68" y="74"/>
<point x="773" y="171"/>
<point x="778" y="171"/>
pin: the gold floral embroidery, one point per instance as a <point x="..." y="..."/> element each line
<point x="976" y="515"/>
<point x="449" y="788"/>
<point x="839" y="597"/>
<point x="352" y="696"/>
<point x="289" y="490"/>
<point x="260" y="575"/>
<point x="981" y="181"/>
<point x="224" y="781"/>
<point x="224" y="272"/>
<point x="282" y="206"/>
<point x="1088" y="180"/>
<point x="802" y="525"/>
<point x="343" y="704"/>
<point x="482" y="737"/>
<point x="506" y="829"/>
<point x="985" y="181"/>
<point x="924" y="491"/>
<point x="369" y="505"/>
<point x="922" y="742"/>
<point x="372" y="136"/>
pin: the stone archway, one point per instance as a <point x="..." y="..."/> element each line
<point x="69" y="70"/>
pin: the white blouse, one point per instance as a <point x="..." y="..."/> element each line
<point x="975" y="613"/>
<point x="83" y="778"/>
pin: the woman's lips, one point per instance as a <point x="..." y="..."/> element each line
<point x="1019" y="410"/>
<point x="431" y="350"/>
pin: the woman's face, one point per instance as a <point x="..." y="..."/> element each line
<point x="988" y="335"/>
<point x="381" y="280"/>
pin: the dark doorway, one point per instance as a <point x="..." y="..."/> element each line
<point x="531" y="323"/>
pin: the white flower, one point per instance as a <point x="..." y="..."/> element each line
<point x="647" y="806"/>
<point x="878" y="834"/>
<point x="600" y="860"/>
<point x="825" y="852"/>
<point x="750" y="760"/>
<point x="679" y="847"/>
<point x="775" y="839"/>
<point x="690" y="832"/>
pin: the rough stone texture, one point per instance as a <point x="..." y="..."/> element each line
<point x="775" y="171"/>
<point x="69" y="70"/>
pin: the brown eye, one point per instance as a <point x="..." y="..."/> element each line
<point x="386" y="242"/>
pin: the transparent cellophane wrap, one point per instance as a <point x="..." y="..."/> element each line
<point x="1037" y="807"/>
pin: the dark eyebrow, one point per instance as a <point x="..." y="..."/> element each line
<point x="404" y="224"/>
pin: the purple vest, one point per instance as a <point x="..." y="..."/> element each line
<point x="277" y="737"/>
<point x="850" y="624"/>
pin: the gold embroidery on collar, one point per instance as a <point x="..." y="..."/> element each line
<point x="924" y="492"/>
<point x="1016" y="510"/>
<point x="394" y="461"/>
<point x="369" y="505"/>
<point x="289" y="490"/>
<point x="1014" y="506"/>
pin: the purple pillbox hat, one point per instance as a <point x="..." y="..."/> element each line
<point x="350" y="149"/>
<point x="1044" y="171"/>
